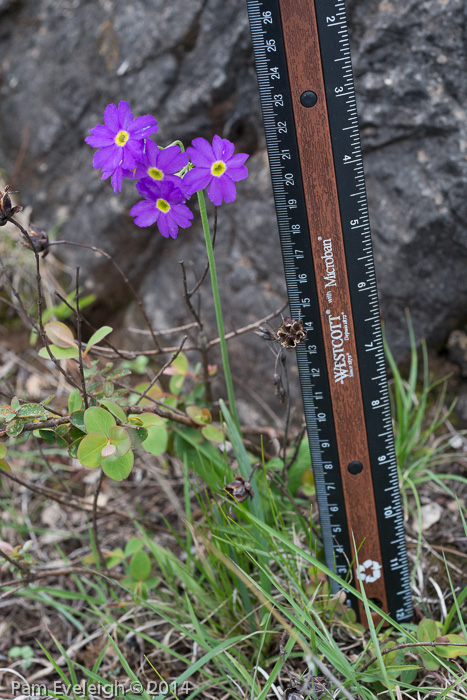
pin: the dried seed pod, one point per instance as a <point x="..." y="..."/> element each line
<point x="291" y="333"/>
<point x="239" y="490"/>
<point x="6" y="210"/>
<point x="39" y="240"/>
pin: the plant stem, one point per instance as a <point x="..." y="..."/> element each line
<point x="217" y="306"/>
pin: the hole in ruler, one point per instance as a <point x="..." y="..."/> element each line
<point x="377" y="602"/>
<point x="308" y="98"/>
<point x="355" y="467"/>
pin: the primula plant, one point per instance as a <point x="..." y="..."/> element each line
<point x="166" y="178"/>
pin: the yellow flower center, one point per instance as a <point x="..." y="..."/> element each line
<point x="163" y="205"/>
<point x="121" y="138"/>
<point x="218" y="168"/>
<point x="156" y="174"/>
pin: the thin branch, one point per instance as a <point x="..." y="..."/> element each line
<point x="160" y="372"/>
<point x="410" y="645"/>
<point x="81" y="504"/>
<point x="123" y="276"/>
<point x="16" y="564"/>
<point x="233" y="334"/>
<point x="93" y="329"/>
<point x="36" y="575"/>
<point x="78" y="333"/>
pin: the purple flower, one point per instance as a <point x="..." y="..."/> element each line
<point x="160" y="165"/>
<point x="163" y="203"/>
<point x="216" y="167"/>
<point x="119" y="142"/>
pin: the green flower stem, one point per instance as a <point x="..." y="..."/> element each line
<point x="217" y="306"/>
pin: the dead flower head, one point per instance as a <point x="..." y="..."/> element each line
<point x="239" y="490"/>
<point x="6" y="209"/>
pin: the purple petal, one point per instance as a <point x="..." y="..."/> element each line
<point x="221" y="188"/>
<point x="145" y="213"/>
<point x="111" y="118"/>
<point x="237" y="174"/>
<point x="182" y="215"/>
<point x="100" y="136"/>
<point x="125" y="116"/>
<point x="167" y="227"/>
<point x="170" y="159"/>
<point x="116" y="179"/>
<point x="215" y="191"/>
<point x="237" y="160"/>
<point x="222" y="148"/>
<point x="143" y="126"/>
<point x="107" y="158"/>
<point x="197" y="179"/>
<point x="201" y="153"/>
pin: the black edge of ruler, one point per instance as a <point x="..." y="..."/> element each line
<point x="300" y="279"/>
<point x="273" y="79"/>
<point x="348" y="164"/>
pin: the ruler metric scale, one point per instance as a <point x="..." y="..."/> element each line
<point x="309" y="110"/>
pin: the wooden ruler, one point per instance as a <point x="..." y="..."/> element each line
<point x="309" y="111"/>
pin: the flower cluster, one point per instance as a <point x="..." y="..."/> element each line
<point x="165" y="177"/>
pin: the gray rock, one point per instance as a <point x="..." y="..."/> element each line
<point x="189" y="62"/>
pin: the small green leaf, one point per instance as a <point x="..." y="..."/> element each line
<point x="180" y="364"/>
<point x="75" y="401"/>
<point x="77" y="419"/>
<point x="96" y="337"/>
<point x="176" y="383"/>
<point x="202" y="416"/>
<point x="427" y="631"/>
<point x="59" y="353"/>
<point x="15" y="403"/>
<point x="451" y="652"/>
<point x="47" y="435"/>
<point x="114" y="408"/>
<point x="108" y="388"/>
<point x="3" y="450"/>
<point x="430" y="663"/>
<point x="90" y="450"/>
<point x="73" y="448"/>
<point x="4" y="465"/>
<point x="119" y="437"/>
<point x="133" y="545"/>
<point x="137" y="436"/>
<point x="98" y="420"/>
<point x="15" y="428"/>
<point x="213" y="433"/>
<point x="6" y="412"/>
<point x="148" y="420"/>
<point x="156" y="442"/>
<point x="118" y="469"/>
<point x="119" y="373"/>
<point x="140" y="566"/>
<point x="31" y="410"/>
<point x="60" y="334"/>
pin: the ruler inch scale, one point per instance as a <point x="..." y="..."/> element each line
<point x="307" y="95"/>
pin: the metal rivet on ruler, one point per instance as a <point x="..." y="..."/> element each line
<point x="308" y="98"/>
<point x="355" y="467"/>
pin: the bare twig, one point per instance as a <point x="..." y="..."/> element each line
<point x="16" y="564"/>
<point x="80" y="352"/>
<point x="160" y="372"/>
<point x="123" y="276"/>
<point x="411" y="645"/>
<point x="81" y="504"/>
